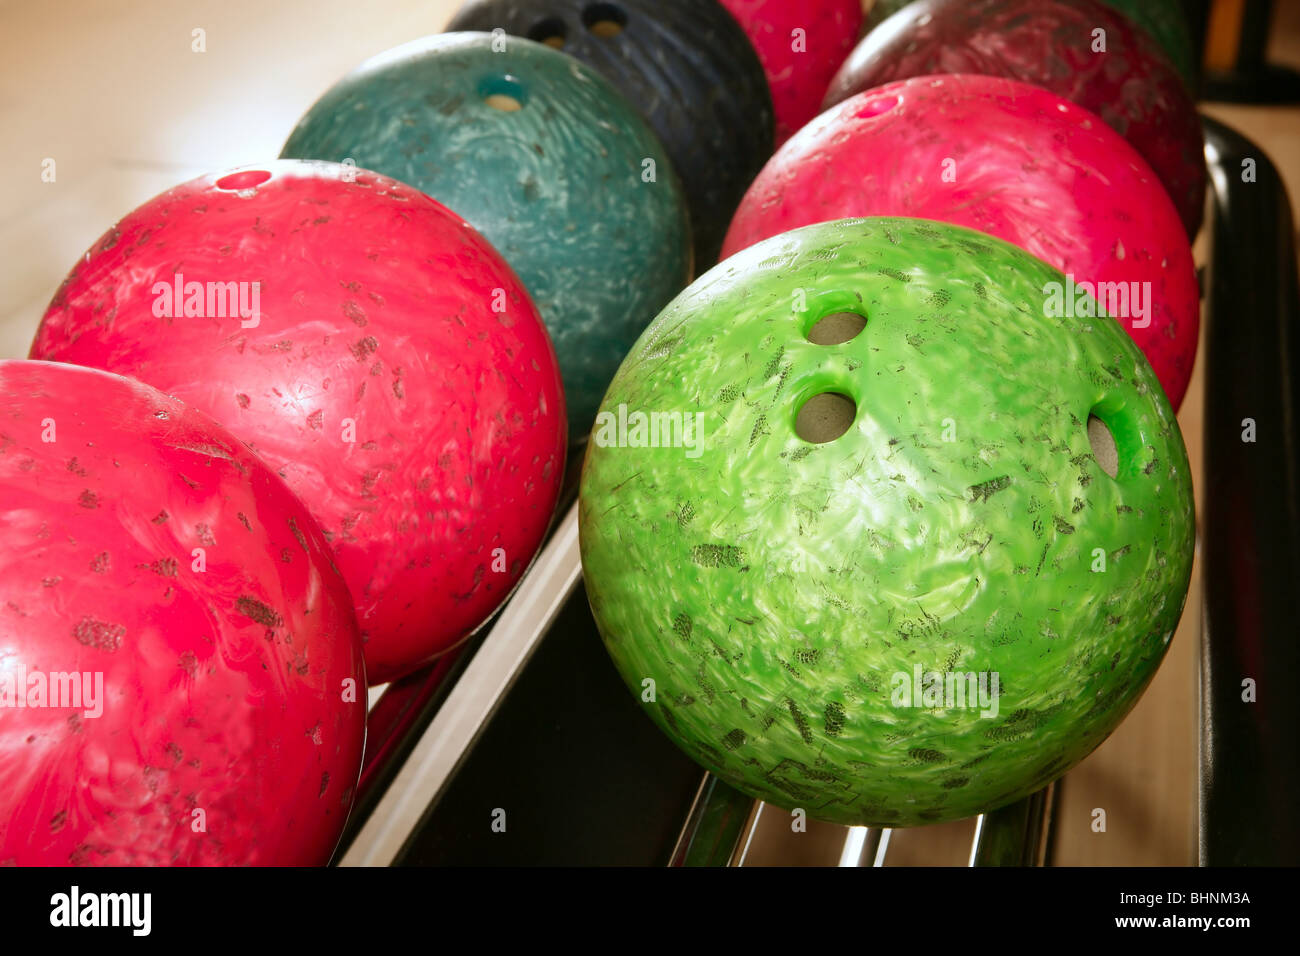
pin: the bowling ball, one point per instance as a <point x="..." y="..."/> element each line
<point x="1166" y="23"/>
<point x="686" y="66"/>
<point x="543" y="157"/>
<point x="1164" y="20"/>
<point x="1050" y="43"/>
<point x="391" y="368"/>
<point x="799" y="65"/>
<point x="181" y="676"/>
<point x="1008" y="159"/>
<point x="934" y="613"/>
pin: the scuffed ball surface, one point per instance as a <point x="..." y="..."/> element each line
<point x="1009" y="159"/>
<point x="772" y="588"/>
<point x="572" y="187"/>
<point x="220" y="699"/>
<point x="397" y="376"/>
<point x="1081" y="50"/>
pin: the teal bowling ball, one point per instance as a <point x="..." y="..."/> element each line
<point x="543" y="157"/>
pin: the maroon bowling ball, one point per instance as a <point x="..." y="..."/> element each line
<point x="1055" y="44"/>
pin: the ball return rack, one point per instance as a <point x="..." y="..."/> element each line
<point x="528" y="726"/>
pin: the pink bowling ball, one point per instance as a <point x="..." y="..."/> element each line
<point x="1079" y="49"/>
<point x="800" y="45"/>
<point x="1011" y="160"/>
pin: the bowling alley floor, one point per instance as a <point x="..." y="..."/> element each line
<point x="117" y="97"/>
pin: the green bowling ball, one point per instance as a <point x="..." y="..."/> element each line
<point x="543" y="157"/>
<point x="879" y="522"/>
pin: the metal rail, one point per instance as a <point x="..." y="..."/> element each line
<point x="1016" y="835"/>
<point x="472" y="702"/>
<point x="1250" y="720"/>
<point x="1250" y="778"/>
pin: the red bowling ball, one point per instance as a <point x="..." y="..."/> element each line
<point x="1081" y="50"/>
<point x="1012" y="160"/>
<point x="181" y="678"/>
<point x="800" y="45"/>
<point x="369" y="345"/>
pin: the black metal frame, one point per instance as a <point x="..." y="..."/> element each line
<point x="1250" y="529"/>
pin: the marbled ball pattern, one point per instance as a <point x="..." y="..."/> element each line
<point x="1166" y="23"/>
<point x="1006" y="158"/>
<point x="771" y="588"/>
<point x="1164" y="20"/>
<point x="561" y="187"/>
<point x="1053" y="44"/>
<point x="800" y="45"/>
<point x="689" y="69"/>
<point x="397" y="377"/>
<point x="143" y="543"/>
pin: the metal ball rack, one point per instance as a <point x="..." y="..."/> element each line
<point x="530" y="717"/>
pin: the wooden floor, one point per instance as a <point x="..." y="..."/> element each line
<point x="117" y="97"/>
